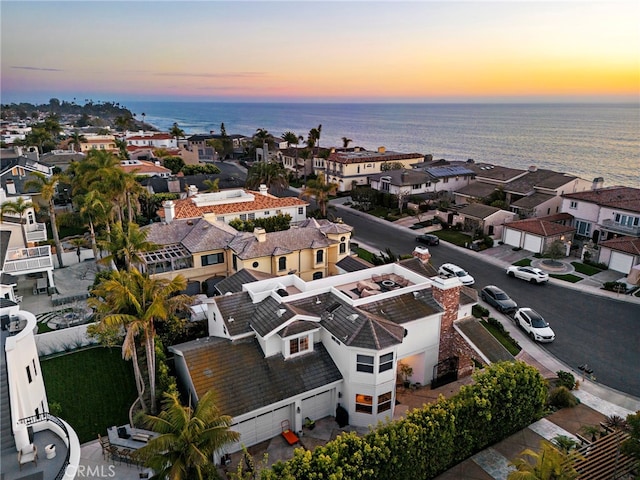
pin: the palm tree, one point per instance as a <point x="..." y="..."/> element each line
<point x="176" y="132"/>
<point x="314" y="136"/>
<point x="188" y="438"/>
<point x="20" y="207"/>
<point x="137" y="302"/>
<point x="272" y="174"/>
<point x="212" y="185"/>
<point x="293" y="139"/>
<point x="47" y="189"/>
<point x="548" y="464"/>
<point x="320" y="190"/>
<point x="95" y="209"/>
<point x="346" y="141"/>
<point x="77" y="139"/>
<point x="125" y="247"/>
<point x="263" y="138"/>
<point x="79" y="243"/>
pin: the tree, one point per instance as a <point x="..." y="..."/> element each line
<point x="188" y="438"/>
<point x="46" y="186"/>
<point x="314" y="135"/>
<point x="79" y="243"/>
<point x="305" y="155"/>
<point x="77" y="139"/>
<point x="345" y="142"/>
<point x="320" y="190"/>
<point x="272" y="174"/>
<point x="136" y="302"/>
<point x="293" y="139"/>
<point x="176" y="132"/>
<point x="226" y="142"/>
<point x="125" y="247"/>
<point x="263" y="139"/>
<point x="212" y="185"/>
<point x="556" y="250"/>
<point x="95" y="210"/>
<point x="386" y="166"/>
<point x="175" y="164"/>
<point x="631" y="446"/>
<point x="20" y="207"/>
<point x="548" y="464"/>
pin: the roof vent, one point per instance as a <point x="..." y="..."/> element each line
<point x="231" y="319"/>
<point x="318" y="302"/>
<point x="353" y="317"/>
<point x="281" y="312"/>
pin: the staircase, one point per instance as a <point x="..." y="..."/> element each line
<point x="6" y="433"/>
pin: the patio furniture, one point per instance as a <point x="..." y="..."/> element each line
<point x="50" y="451"/>
<point x="288" y="435"/>
<point x="28" y="453"/>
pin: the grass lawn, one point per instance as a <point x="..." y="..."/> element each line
<point x="525" y="262"/>
<point x="508" y="343"/>
<point x="567" y="278"/>
<point x="585" y="269"/>
<point x="94" y="387"/>
<point x="453" y="236"/>
<point x="364" y="254"/>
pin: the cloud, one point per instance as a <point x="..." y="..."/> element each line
<point x="39" y="69"/>
<point x="214" y="75"/>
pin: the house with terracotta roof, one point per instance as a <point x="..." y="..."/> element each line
<point x="620" y="254"/>
<point x="283" y="349"/>
<point x="537" y="234"/>
<point x="348" y="168"/>
<point x="151" y="140"/>
<point x="145" y="168"/>
<point x="231" y="204"/>
<point x="206" y="250"/>
<point x="98" y="142"/>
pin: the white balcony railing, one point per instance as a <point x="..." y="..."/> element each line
<point x="28" y="259"/>
<point x="36" y="232"/>
<point x="619" y="228"/>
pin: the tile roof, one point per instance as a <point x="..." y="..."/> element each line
<point x="402" y="177"/>
<point x="532" y="200"/>
<point x="233" y="283"/>
<point x="353" y="264"/>
<point x="404" y="308"/>
<point x="186" y="208"/>
<point x="495" y="172"/>
<point x="624" y="198"/>
<point x="236" y="310"/>
<point x="367" y="156"/>
<point x="540" y="178"/>
<point x="541" y="227"/>
<point x="197" y="235"/>
<point x="476" y="190"/>
<point x="478" y="210"/>
<point x="245" y="381"/>
<point x="142" y="166"/>
<point x="623" y="244"/>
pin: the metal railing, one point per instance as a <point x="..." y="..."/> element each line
<point x="23" y="259"/>
<point x="619" y="228"/>
<point x="47" y="417"/>
<point x="36" y="232"/>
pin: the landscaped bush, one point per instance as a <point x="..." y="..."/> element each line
<point x="506" y="397"/>
<point x="601" y="266"/>
<point x="561" y="397"/>
<point x="615" y="287"/>
<point x="566" y="379"/>
<point x="502" y="335"/>
<point x="479" y="311"/>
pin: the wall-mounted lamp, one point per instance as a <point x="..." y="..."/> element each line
<point x="298" y="409"/>
<point x="339" y="394"/>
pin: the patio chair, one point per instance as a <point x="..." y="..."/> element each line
<point x="28" y="453"/>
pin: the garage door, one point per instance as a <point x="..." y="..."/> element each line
<point x="512" y="237"/>
<point x="318" y="406"/>
<point x="269" y="425"/>
<point x="247" y="431"/>
<point x="620" y="262"/>
<point x="532" y="243"/>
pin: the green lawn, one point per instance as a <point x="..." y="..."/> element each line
<point x="453" y="236"/>
<point x="507" y="342"/>
<point x="567" y="278"/>
<point x="525" y="262"/>
<point x="364" y="254"/>
<point x="585" y="269"/>
<point x="94" y="387"/>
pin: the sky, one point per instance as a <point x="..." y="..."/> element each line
<point x="329" y="51"/>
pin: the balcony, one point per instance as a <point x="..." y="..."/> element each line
<point x="36" y="232"/>
<point x="28" y="260"/>
<point x="614" y="227"/>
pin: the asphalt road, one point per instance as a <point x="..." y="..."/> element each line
<point x="601" y="332"/>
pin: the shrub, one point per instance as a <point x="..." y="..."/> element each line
<point x="615" y="287"/>
<point x="561" y="397"/>
<point x="488" y="241"/>
<point x="566" y="379"/>
<point x="600" y="265"/>
<point x="479" y="311"/>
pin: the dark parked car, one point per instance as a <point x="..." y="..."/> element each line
<point x="428" y="239"/>
<point x="500" y="300"/>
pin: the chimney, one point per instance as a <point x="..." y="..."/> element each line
<point x="260" y="233"/>
<point x="428" y="157"/>
<point x="381" y="149"/>
<point x="193" y="190"/>
<point x="533" y="168"/>
<point x="422" y="253"/>
<point x="446" y="291"/>
<point x="169" y="211"/>
<point x="598" y="183"/>
<point x="264" y="190"/>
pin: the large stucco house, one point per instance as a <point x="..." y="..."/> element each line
<point x="285" y="348"/>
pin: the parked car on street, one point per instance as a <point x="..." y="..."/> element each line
<point x="451" y="270"/>
<point x="535" y="326"/>
<point x="496" y="297"/>
<point x="530" y="274"/>
<point x="428" y="239"/>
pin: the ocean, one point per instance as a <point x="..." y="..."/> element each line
<point x="587" y="140"/>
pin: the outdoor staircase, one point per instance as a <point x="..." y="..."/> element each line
<point x="6" y="438"/>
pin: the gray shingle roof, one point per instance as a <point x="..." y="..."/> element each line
<point x="245" y="381"/>
<point x="405" y="308"/>
<point x="353" y="264"/>
<point x="240" y="308"/>
<point x="478" y="210"/>
<point x="196" y="235"/>
<point x="532" y="200"/>
<point x="233" y="283"/>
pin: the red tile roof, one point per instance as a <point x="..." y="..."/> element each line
<point x="624" y="198"/>
<point x="155" y="136"/>
<point x="623" y="244"/>
<point x="366" y="156"/>
<point x="141" y="167"/>
<point x="538" y="226"/>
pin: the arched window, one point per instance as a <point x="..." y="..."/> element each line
<point x="282" y="263"/>
<point x="319" y="256"/>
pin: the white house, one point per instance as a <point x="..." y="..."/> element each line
<point x="151" y="139"/>
<point x="620" y="254"/>
<point x="537" y="234"/>
<point x="283" y="349"/>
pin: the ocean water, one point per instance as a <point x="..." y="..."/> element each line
<point x="587" y="140"/>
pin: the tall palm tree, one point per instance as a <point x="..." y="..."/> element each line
<point x="314" y="137"/>
<point x="346" y="141"/>
<point x="293" y="139"/>
<point x="188" y="438"/>
<point x="177" y="133"/>
<point x="320" y="190"/>
<point x="46" y="186"/>
<point x="212" y="185"/>
<point x="305" y="154"/>
<point x="548" y="464"/>
<point x="272" y="174"/>
<point x="125" y="247"/>
<point x="77" y="139"/>
<point x="94" y="209"/>
<point x="20" y="207"/>
<point x="136" y="302"/>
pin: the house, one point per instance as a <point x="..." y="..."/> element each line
<point x="197" y="148"/>
<point x="33" y="231"/>
<point x="315" y="347"/>
<point x="620" y="253"/>
<point x="181" y="184"/>
<point x="16" y="171"/>
<point x="484" y="219"/>
<point x="207" y="250"/>
<point x="144" y="168"/>
<point x="231" y="204"/>
<point x="62" y="158"/>
<point x="537" y="234"/>
<point x="25" y="415"/>
<point x="349" y="168"/>
<point x="151" y="140"/>
<point x="99" y="142"/>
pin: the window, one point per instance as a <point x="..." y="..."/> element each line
<point x="317" y="275"/>
<point x="298" y="345"/>
<point x="583" y="228"/>
<point x="282" y="263"/>
<point x="320" y="256"/>
<point x="35" y="372"/>
<point x="445" y="180"/>
<point x="252" y="216"/>
<point x="573" y="205"/>
<point x="212" y="259"/>
<point x="343" y="248"/>
<point x="364" y="363"/>
<point x="243" y="217"/>
<point x="386" y="362"/>
<point x="364" y="403"/>
<point x="300" y="210"/>
<point x="384" y="402"/>
<point x="416" y="186"/>
<point x="235" y="262"/>
<point x="266" y="213"/>
<point x="29" y="374"/>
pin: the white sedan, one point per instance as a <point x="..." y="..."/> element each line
<point x="533" y="323"/>
<point x="530" y="274"/>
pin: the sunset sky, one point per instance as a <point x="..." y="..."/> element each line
<point x="329" y="51"/>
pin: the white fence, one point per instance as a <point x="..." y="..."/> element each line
<point x="62" y="340"/>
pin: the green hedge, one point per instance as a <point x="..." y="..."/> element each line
<point x="505" y="398"/>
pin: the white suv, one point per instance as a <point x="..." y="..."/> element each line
<point x="451" y="270"/>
